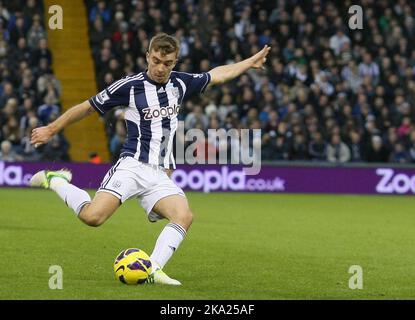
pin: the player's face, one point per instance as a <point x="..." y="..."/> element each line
<point x="160" y="66"/>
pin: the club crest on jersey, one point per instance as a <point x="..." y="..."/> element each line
<point x="116" y="184"/>
<point x="175" y="92"/>
<point x="102" y="97"/>
<point x="169" y="111"/>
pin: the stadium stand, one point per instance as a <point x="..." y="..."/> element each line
<point x="29" y="91"/>
<point x="329" y="93"/>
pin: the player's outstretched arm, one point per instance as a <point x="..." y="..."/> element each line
<point x="228" y="72"/>
<point x="42" y="135"/>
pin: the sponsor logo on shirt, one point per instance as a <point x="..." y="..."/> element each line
<point x="169" y="111"/>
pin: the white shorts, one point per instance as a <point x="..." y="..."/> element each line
<point x="130" y="178"/>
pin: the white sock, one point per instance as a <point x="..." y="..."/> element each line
<point x="167" y="243"/>
<point x="74" y="197"/>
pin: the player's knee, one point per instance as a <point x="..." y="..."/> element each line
<point x="188" y="217"/>
<point x="184" y="218"/>
<point x="91" y="217"/>
<point x="94" y="221"/>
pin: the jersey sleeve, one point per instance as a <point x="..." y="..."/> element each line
<point x="195" y="82"/>
<point x="115" y="95"/>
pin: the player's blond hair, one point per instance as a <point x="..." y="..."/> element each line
<point x="164" y="43"/>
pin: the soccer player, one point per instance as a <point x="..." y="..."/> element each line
<point x="152" y="100"/>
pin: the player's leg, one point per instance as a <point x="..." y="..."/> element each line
<point x="163" y="199"/>
<point x="93" y="213"/>
<point x="100" y="209"/>
<point x="174" y="208"/>
<point x="59" y="181"/>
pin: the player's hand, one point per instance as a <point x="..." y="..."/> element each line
<point x="41" y="135"/>
<point x="260" y="58"/>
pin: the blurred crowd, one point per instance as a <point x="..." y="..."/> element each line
<point x="29" y="91"/>
<point x="328" y="93"/>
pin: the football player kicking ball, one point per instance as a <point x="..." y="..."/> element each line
<point x="151" y="101"/>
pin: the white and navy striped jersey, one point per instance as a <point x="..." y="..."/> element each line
<point x="151" y="111"/>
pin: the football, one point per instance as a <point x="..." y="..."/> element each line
<point x="132" y="266"/>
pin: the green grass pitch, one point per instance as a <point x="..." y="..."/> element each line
<point x="241" y="246"/>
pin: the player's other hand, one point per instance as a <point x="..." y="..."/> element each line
<point x="260" y="58"/>
<point x="41" y="135"/>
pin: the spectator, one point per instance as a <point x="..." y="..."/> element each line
<point x="377" y="151"/>
<point x="338" y="41"/>
<point x="97" y="34"/>
<point x="11" y="131"/>
<point x="56" y="149"/>
<point x="7" y="93"/>
<point x="22" y="52"/>
<point x="35" y="33"/>
<point x="399" y="154"/>
<point x="18" y="30"/>
<point x="28" y="150"/>
<point x="275" y="148"/>
<point x="4" y="13"/>
<point x="357" y="147"/>
<point x="7" y="153"/>
<point x="412" y="147"/>
<point x="41" y="51"/>
<point x="118" y="140"/>
<point x="32" y="10"/>
<point x="351" y="74"/>
<point x="405" y="128"/>
<point x="369" y="68"/>
<point x="100" y="10"/>
<point x="317" y="148"/>
<point x="337" y="150"/>
<point x="299" y="148"/>
<point x="47" y="109"/>
<point x="196" y="117"/>
<point x="226" y="107"/>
